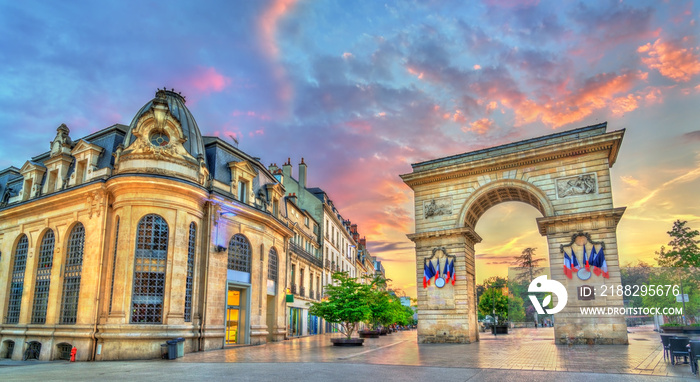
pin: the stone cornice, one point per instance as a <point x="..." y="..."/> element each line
<point x="609" y="142"/>
<point x="580" y="221"/>
<point x="468" y="232"/>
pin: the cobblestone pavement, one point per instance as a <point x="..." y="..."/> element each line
<point x="524" y="355"/>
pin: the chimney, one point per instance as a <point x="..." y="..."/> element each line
<point x="279" y="175"/>
<point x="302" y="174"/>
<point x="363" y="242"/>
<point x="287" y="168"/>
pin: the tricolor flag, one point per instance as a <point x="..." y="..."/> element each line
<point x="593" y="259"/>
<point x="585" y="259"/>
<point x="452" y="271"/>
<point x="603" y="264"/>
<point x="567" y="265"/>
<point x="428" y="273"/>
<point x="437" y="273"/>
<point x="575" y="266"/>
<point x="433" y="272"/>
<point x="446" y="272"/>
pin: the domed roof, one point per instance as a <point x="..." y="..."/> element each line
<point x="176" y="105"/>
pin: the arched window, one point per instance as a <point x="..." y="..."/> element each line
<point x="17" y="285"/>
<point x="239" y="253"/>
<point x="190" y="273"/>
<point x="71" y="275"/>
<point x="150" y="257"/>
<point x="114" y="264"/>
<point x="272" y="265"/>
<point x="43" y="278"/>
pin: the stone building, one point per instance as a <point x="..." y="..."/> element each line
<point x="305" y="271"/>
<point x="133" y="235"/>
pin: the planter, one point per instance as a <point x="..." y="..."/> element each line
<point x="383" y="331"/>
<point x="369" y="334"/>
<point x="691" y="330"/>
<point x="347" y="342"/>
<point x="499" y="329"/>
<point x="672" y="329"/>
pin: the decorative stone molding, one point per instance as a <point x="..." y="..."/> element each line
<point x="33" y="173"/>
<point x="467" y="232"/>
<point x="86" y="156"/>
<point x="583" y="221"/>
<point x="62" y="143"/>
<point x="94" y="201"/>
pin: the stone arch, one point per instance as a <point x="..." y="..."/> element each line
<point x="566" y="176"/>
<point x="501" y="191"/>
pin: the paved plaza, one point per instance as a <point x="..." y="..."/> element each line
<point x="524" y="355"/>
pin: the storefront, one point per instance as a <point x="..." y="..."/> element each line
<point x="236" y="317"/>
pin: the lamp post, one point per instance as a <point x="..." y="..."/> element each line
<point x="493" y="300"/>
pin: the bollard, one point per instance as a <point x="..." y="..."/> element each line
<point x="72" y="354"/>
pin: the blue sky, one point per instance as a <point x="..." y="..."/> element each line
<point x="361" y="89"/>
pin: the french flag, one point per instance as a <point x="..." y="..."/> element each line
<point x="447" y="270"/>
<point x="428" y="273"/>
<point x="575" y="266"/>
<point x="585" y="259"/>
<point x="593" y="259"/>
<point x="452" y="271"/>
<point x="603" y="264"/>
<point x="567" y="266"/>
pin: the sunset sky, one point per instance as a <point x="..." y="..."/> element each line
<point x="362" y="89"/>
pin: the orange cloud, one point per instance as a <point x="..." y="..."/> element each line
<point x="671" y="60"/>
<point x="481" y="126"/>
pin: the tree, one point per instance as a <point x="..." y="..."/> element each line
<point x="635" y="275"/>
<point x="491" y="282"/>
<point x="347" y="303"/>
<point x="531" y="267"/>
<point x="486" y="303"/>
<point x="684" y="247"/>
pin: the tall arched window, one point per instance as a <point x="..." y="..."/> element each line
<point x="272" y="265"/>
<point x="17" y="285"/>
<point x="43" y="278"/>
<point x="150" y="257"/>
<point x="239" y="253"/>
<point x="114" y="264"/>
<point x="190" y="273"/>
<point x="71" y="275"/>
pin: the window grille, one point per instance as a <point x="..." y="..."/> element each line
<point x="64" y="351"/>
<point x="17" y="284"/>
<point x="114" y="264"/>
<point x="239" y="253"/>
<point x="150" y="256"/>
<point x="71" y="275"/>
<point x="10" y="349"/>
<point x="272" y="265"/>
<point x="43" y="279"/>
<point x="190" y="273"/>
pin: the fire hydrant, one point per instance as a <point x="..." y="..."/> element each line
<point x="72" y="354"/>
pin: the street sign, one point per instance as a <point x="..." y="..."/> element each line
<point x="682" y="298"/>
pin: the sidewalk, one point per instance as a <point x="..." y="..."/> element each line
<point x="525" y="355"/>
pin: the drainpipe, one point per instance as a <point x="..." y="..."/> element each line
<point x="105" y="254"/>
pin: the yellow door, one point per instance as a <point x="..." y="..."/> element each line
<point x="232" y="326"/>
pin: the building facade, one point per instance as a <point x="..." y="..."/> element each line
<point x="137" y="234"/>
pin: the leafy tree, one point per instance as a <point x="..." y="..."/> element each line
<point x="486" y="303"/>
<point x="684" y="247"/>
<point x="347" y="303"/>
<point x="637" y="274"/>
<point x="516" y="309"/>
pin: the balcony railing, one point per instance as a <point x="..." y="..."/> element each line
<point x="311" y="294"/>
<point x="328" y="264"/>
<point x="318" y="295"/>
<point x="294" y="288"/>
<point x="302" y="291"/>
<point x="306" y="255"/>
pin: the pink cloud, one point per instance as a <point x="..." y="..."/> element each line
<point x="207" y="80"/>
<point x="481" y="126"/>
<point x="267" y="24"/>
<point x="671" y="60"/>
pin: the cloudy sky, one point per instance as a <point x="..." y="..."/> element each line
<point x="362" y="89"/>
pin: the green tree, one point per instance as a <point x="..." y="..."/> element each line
<point x="347" y="303"/>
<point x="684" y="250"/>
<point x="632" y="275"/>
<point x="530" y="266"/>
<point x="486" y="303"/>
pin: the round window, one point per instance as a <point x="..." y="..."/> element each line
<point x="159" y="138"/>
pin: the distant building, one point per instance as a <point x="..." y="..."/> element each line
<point x="123" y="239"/>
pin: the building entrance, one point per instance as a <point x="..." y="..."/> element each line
<point x="234" y="316"/>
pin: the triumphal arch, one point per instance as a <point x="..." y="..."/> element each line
<point x="566" y="176"/>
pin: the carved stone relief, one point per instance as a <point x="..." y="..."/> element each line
<point x="437" y="207"/>
<point x="576" y="185"/>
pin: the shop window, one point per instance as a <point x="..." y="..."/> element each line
<point x="151" y="255"/>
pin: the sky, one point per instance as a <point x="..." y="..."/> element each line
<point x="362" y="89"/>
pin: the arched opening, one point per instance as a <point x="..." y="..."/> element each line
<point x="33" y="350"/>
<point x="64" y="351"/>
<point x="8" y="347"/>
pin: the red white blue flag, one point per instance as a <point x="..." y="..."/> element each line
<point x="567" y="265"/>
<point x="446" y="272"/>
<point x="452" y="272"/>
<point x="585" y="259"/>
<point x="428" y="273"/>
